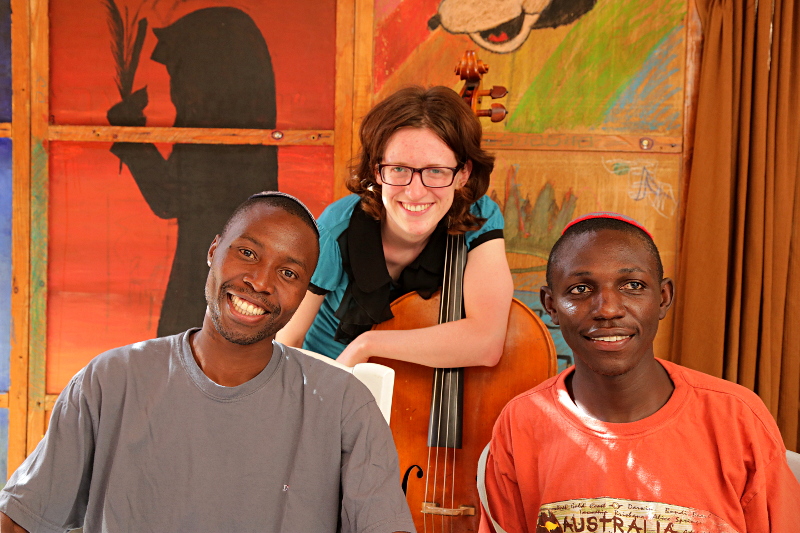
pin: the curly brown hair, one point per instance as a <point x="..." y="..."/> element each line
<point x="442" y="111"/>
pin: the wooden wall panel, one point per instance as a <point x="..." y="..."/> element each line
<point x="599" y="109"/>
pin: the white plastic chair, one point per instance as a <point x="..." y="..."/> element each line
<point x="794" y="463"/>
<point x="379" y="379"/>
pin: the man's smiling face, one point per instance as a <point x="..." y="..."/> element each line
<point x="606" y="295"/>
<point x="260" y="270"/>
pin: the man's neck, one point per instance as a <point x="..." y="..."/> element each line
<point x="629" y="397"/>
<point x="226" y="363"/>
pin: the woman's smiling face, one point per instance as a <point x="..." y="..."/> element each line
<point x="413" y="210"/>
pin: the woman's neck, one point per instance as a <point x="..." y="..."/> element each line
<point x="400" y="252"/>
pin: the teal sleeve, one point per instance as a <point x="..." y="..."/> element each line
<point x="329" y="270"/>
<point x="332" y="222"/>
<point x="486" y="208"/>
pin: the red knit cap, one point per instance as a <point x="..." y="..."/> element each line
<point x="608" y="214"/>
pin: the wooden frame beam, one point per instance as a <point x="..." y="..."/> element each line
<point x="39" y="193"/>
<point x="17" y="398"/>
<point x="190" y="135"/>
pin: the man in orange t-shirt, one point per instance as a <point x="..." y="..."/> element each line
<point x="622" y="441"/>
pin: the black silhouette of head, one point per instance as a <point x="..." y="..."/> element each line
<point x="220" y="70"/>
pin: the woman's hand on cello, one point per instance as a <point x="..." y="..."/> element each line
<point x="355" y="352"/>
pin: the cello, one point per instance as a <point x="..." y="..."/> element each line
<point x="443" y="417"/>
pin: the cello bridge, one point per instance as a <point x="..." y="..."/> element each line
<point x="433" y="508"/>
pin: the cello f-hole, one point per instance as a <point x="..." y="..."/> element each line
<point x="408" y="473"/>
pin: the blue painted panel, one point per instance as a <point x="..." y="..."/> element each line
<point x="5" y="60"/>
<point x="5" y="262"/>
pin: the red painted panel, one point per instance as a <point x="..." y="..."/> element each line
<point x="110" y="255"/>
<point x="300" y="36"/>
<point x="399" y="34"/>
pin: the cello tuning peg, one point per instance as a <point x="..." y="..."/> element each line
<point x="497" y="113"/>
<point x="498" y="92"/>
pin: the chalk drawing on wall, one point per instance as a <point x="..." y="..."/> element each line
<point x="532" y="227"/>
<point x="644" y="185"/>
<point x="504" y="25"/>
<point x="610" y="67"/>
<point x="619" y="60"/>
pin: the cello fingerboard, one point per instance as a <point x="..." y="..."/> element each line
<point x="447" y="401"/>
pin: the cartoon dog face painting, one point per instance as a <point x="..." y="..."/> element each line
<point x="504" y="25"/>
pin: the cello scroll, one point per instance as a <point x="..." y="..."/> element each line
<point x="471" y="70"/>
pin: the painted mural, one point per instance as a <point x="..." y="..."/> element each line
<point x="579" y="72"/>
<point x="220" y="76"/>
<point x="126" y="218"/>
<point x="503" y="26"/>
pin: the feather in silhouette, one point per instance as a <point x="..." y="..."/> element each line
<point x="124" y="48"/>
<point x="117" y="28"/>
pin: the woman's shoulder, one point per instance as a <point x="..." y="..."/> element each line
<point x="336" y="217"/>
<point x="493" y="225"/>
<point x="485" y="207"/>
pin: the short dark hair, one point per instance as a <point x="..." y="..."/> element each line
<point x="288" y="203"/>
<point x="445" y="113"/>
<point x="591" y="225"/>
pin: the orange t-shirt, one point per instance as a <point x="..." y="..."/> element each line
<point x="711" y="460"/>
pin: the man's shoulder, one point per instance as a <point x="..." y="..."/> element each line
<point x="142" y="362"/>
<point x="534" y="400"/>
<point x="700" y="381"/>
<point x="139" y="352"/>
<point x="725" y="396"/>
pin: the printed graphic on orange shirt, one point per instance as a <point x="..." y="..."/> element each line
<point x="612" y="515"/>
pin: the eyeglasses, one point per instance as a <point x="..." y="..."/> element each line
<point x="432" y="177"/>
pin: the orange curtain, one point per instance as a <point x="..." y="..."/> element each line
<point x="737" y="313"/>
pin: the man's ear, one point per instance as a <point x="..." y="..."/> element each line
<point x="667" y="295"/>
<point x="546" y="297"/>
<point x="212" y="249"/>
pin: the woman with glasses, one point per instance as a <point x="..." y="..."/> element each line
<point x="421" y="173"/>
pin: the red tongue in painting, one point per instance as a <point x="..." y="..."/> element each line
<point x="503" y="37"/>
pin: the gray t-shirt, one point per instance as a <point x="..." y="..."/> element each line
<point x="142" y="441"/>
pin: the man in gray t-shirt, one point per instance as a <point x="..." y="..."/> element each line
<point x="218" y="429"/>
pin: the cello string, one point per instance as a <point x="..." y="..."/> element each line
<point x="439" y="385"/>
<point x="451" y="316"/>
<point x="457" y="304"/>
<point x="447" y="318"/>
<point x="436" y="407"/>
<point x="451" y="307"/>
<point x="434" y="403"/>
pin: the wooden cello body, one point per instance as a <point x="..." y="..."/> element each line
<point x="441" y="480"/>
